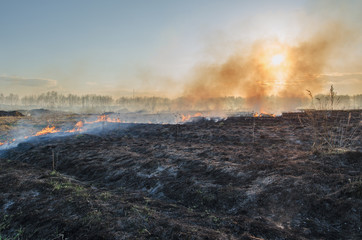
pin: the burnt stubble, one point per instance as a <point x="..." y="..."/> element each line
<point x="239" y="178"/>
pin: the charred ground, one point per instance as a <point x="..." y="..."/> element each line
<point x="240" y="178"/>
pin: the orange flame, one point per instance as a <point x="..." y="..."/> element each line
<point x="79" y="124"/>
<point x="104" y="118"/>
<point x="263" y="114"/>
<point x="47" y="130"/>
<point x="77" y="127"/>
<point x="187" y="117"/>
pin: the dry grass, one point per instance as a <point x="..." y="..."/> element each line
<point x="7" y="124"/>
<point x="333" y="130"/>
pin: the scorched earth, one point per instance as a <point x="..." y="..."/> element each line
<point x="238" y="178"/>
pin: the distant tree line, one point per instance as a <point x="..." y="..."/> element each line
<point x="55" y="100"/>
<point x="340" y="102"/>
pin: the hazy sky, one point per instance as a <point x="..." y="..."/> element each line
<point x="151" y="46"/>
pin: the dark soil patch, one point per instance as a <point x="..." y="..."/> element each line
<point x="10" y="114"/>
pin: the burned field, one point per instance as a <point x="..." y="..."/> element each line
<point x="238" y="178"/>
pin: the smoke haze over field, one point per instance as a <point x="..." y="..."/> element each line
<point x="195" y="50"/>
<point x="254" y="75"/>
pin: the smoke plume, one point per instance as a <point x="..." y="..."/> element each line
<point x="269" y="68"/>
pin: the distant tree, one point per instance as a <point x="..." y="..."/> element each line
<point x="12" y="99"/>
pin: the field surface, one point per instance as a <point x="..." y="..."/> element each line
<point x="239" y="178"/>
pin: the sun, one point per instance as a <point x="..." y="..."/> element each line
<point x="277" y="59"/>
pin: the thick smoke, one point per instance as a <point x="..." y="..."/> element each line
<point x="252" y="74"/>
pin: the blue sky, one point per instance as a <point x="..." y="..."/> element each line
<point x="112" y="47"/>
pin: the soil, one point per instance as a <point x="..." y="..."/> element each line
<point x="239" y="178"/>
<point x="10" y="114"/>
